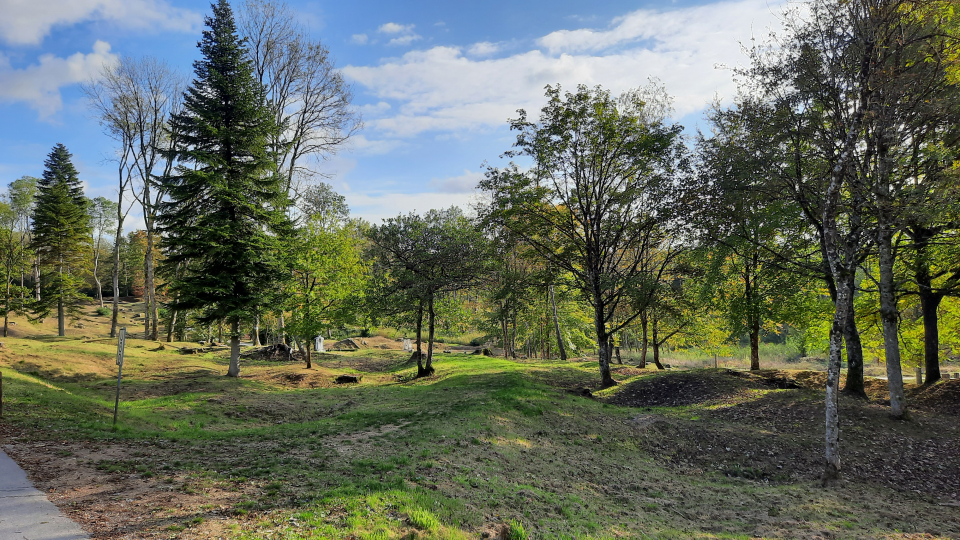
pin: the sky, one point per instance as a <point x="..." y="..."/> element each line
<point x="435" y="81"/>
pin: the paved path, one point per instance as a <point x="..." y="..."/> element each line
<point x="25" y="513"/>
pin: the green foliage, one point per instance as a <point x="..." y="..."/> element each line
<point x="599" y="202"/>
<point x="329" y="277"/>
<point x="61" y="237"/>
<point x="423" y="519"/>
<point x="103" y="311"/>
<point x="516" y="531"/>
<point x="418" y="261"/>
<point x="224" y="219"/>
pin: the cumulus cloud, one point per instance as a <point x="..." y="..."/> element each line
<point x="360" y="144"/>
<point x="700" y="27"/>
<point x="359" y="39"/>
<point x="39" y="85"/>
<point x="404" y="32"/>
<point x="484" y="48"/>
<point x="464" y="183"/>
<point x="444" y="89"/>
<point x="394" y="28"/>
<point x="377" y="206"/>
<point x="404" y="40"/>
<point x="27" y="23"/>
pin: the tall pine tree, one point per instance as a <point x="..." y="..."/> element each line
<point x="224" y="219"/>
<point x="61" y="237"/>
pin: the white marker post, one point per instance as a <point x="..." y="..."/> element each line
<point x="121" y="339"/>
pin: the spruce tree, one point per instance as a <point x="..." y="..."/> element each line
<point x="61" y="237"/>
<point x="224" y="217"/>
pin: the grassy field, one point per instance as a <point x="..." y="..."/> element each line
<point x="487" y="448"/>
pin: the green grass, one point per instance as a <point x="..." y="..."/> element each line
<point x="486" y="443"/>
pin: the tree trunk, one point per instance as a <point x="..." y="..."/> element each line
<point x="234" y="370"/>
<point x="505" y="328"/>
<point x="150" y="293"/>
<point x="605" y="355"/>
<point x="36" y="276"/>
<point x="6" y="311"/>
<point x="513" y="335"/>
<point x="929" y="304"/>
<point x="96" y="278"/>
<point x="832" y="472"/>
<point x="309" y="362"/>
<point x="61" y="322"/>
<point x="256" y="330"/>
<point x="851" y="338"/>
<point x="889" y="314"/>
<point x="754" y="345"/>
<point x="427" y="368"/>
<point x="146" y="313"/>
<point x="643" y="342"/>
<point x="604" y="350"/>
<point x="170" y="325"/>
<point x="418" y="354"/>
<point x="655" y="340"/>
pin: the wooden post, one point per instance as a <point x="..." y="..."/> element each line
<point x="121" y="339"/>
<point x="919" y="373"/>
<point x="1" y="394"/>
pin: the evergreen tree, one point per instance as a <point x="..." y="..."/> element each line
<point x="61" y="237"/>
<point x="225" y="213"/>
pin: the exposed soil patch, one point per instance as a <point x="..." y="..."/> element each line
<point x="114" y="493"/>
<point x="777" y="434"/>
<point x="689" y="388"/>
<point x="944" y="397"/>
<point x="365" y="364"/>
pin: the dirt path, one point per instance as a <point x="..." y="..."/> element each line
<point x="25" y="513"/>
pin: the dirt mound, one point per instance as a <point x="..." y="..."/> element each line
<point x="348" y="344"/>
<point x="278" y="352"/>
<point x="687" y="388"/>
<point x="942" y="397"/>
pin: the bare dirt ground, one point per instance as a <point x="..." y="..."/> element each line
<point x="921" y="456"/>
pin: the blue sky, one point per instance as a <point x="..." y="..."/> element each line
<point x="435" y="80"/>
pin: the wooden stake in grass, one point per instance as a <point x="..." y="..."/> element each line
<point x="121" y="340"/>
<point x="1" y="394"/>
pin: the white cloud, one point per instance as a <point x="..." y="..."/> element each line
<point x="394" y="28"/>
<point x="699" y="27"/>
<point x="377" y="206"/>
<point x="404" y="32"/>
<point x="361" y="145"/>
<point x="404" y="40"/>
<point x="484" y="48"/>
<point x="374" y="109"/>
<point x="464" y="183"/>
<point x="39" y="85"/>
<point x="441" y="89"/>
<point x="359" y="39"/>
<point x="26" y="23"/>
